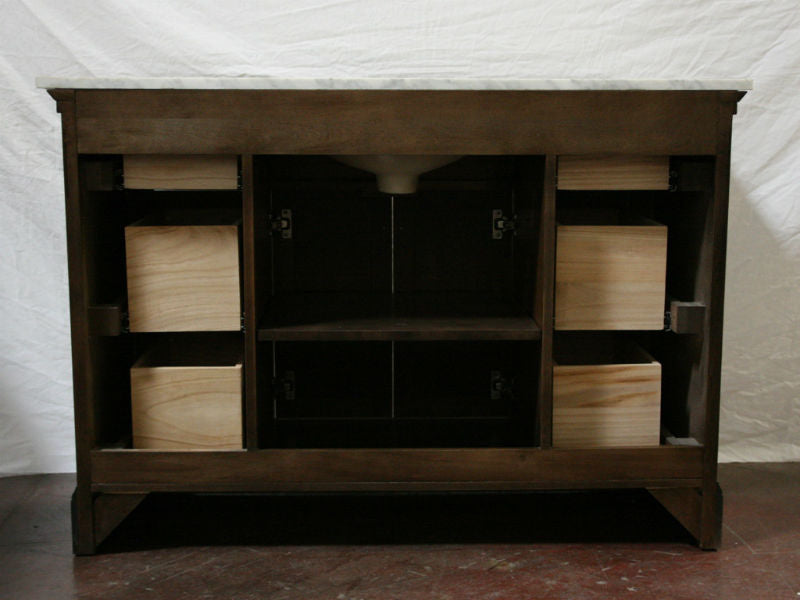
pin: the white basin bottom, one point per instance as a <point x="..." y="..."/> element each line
<point x="397" y="173"/>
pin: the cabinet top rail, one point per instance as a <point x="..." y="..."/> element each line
<point x="273" y="83"/>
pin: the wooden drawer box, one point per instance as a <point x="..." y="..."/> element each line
<point x="613" y="172"/>
<point x="183" y="277"/>
<point x="611" y="277"/>
<point x="186" y="404"/>
<point x="612" y="401"/>
<point x="180" y="172"/>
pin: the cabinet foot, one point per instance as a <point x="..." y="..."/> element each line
<point x="93" y="519"/>
<point x="82" y="515"/>
<point x="699" y="513"/>
<point x="110" y="510"/>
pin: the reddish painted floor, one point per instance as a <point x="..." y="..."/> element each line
<point x="518" y="546"/>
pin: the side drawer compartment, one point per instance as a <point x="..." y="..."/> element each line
<point x="611" y="277"/>
<point x="577" y="172"/>
<point x="183" y="277"/>
<point x="180" y="172"/>
<point x="187" y="401"/>
<point x="607" y="399"/>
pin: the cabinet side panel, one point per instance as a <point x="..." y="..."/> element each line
<point x="83" y="516"/>
<point x="711" y="515"/>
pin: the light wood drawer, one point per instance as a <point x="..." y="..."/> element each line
<point x="613" y="172"/>
<point x="180" y="406"/>
<point x="180" y="172"/>
<point x="612" y="402"/>
<point x="183" y="277"/>
<point x="611" y="277"/>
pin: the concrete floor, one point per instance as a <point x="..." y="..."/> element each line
<point x="508" y="546"/>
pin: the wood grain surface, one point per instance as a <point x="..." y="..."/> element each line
<point x="613" y="172"/>
<point x="183" y="278"/>
<point x="180" y="172"/>
<point x="397" y="121"/>
<point x="395" y="468"/>
<point x="610" y="277"/>
<point x="185" y="408"/>
<point x="615" y="405"/>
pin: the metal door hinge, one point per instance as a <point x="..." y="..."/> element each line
<point x="502" y="224"/>
<point x="673" y="180"/>
<point x="282" y="224"/>
<point x="285" y="386"/>
<point x="500" y="387"/>
<point x="119" y="179"/>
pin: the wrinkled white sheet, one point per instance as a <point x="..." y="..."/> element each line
<point x="618" y="39"/>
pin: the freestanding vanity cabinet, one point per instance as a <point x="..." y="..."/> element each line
<point x="534" y="300"/>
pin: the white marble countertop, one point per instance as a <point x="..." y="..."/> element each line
<point x="271" y="83"/>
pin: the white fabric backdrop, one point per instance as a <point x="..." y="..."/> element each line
<point x="405" y="38"/>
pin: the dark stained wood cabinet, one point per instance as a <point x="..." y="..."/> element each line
<point x="400" y="342"/>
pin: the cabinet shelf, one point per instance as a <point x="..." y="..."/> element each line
<point x="420" y="419"/>
<point x="373" y="317"/>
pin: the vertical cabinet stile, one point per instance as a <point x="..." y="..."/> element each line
<point x="249" y="305"/>
<point x="545" y="293"/>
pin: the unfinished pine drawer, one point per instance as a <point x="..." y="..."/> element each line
<point x="180" y="172"/>
<point x="187" y="401"/>
<point x="586" y="172"/>
<point x="183" y="277"/>
<point x="607" y="400"/>
<point x="611" y="277"/>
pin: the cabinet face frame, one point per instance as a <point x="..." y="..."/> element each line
<point x="677" y="123"/>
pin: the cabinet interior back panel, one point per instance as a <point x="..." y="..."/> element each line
<point x="335" y="379"/>
<point x="453" y="379"/>
<point x="341" y="242"/>
<point x="443" y="242"/>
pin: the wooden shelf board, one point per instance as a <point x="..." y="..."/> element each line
<point x="373" y="317"/>
<point x="404" y="419"/>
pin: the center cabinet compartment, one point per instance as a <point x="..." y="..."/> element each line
<point x="397" y="320"/>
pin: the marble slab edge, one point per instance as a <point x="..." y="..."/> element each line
<point x="270" y="83"/>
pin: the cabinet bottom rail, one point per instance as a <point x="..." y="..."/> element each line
<point x="394" y="469"/>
